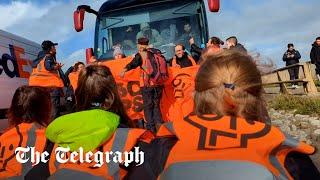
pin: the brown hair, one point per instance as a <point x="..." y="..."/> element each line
<point x="233" y="39"/>
<point x="76" y="66"/>
<point x="229" y="83"/>
<point x="179" y="44"/>
<point x="216" y="41"/>
<point x="30" y="104"/>
<point x="97" y="89"/>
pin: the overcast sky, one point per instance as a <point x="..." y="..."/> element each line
<point x="263" y="26"/>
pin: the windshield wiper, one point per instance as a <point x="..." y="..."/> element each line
<point x="120" y="20"/>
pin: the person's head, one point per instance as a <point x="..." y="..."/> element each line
<point x="187" y="27"/>
<point x="143" y="44"/>
<point x="290" y="47"/>
<point x="78" y="66"/>
<point x="117" y="53"/>
<point x="30" y="104"/>
<point x="231" y="41"/>
<point x="49" y="47"/>
<point x="318" y="41"/>
<point x="179" y="50"/>
<point x="215" y="41"/>
<point x="98" y="89"/>
<point x="228" y="83"/>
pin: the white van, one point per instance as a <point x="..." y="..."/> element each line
<point x="16" y="55"/>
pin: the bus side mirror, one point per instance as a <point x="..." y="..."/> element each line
<point x="89" y="55"/>
<point x="214" y="5"/>
<point x="78" y="17"/>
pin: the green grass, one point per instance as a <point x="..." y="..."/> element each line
<point x="301" y="105"/>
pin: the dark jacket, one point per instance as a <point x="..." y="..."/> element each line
<point x="315" y="54"/>
<point x="136" y="62"/>
<point x="291" y="60"/>
<point x="183" y="62"/>
<point x="239" y="47"/>
<point x="49" y="62"/>
<point x="40" y="56"/>
<point x="196" y="52"/>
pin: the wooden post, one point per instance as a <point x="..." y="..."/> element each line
<point x="310" y="87"/>
<point x="283" y="88"/>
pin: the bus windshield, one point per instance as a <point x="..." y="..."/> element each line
<point x="164" y="25"/>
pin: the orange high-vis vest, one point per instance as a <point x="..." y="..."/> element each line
<point x="73" y="77"/>
<point x="44" y="78"/>
<point x="123" y="140"/>
<point x="224" y="147"/>
<point x="174" y="61"/>
<point x="23" y="135"/>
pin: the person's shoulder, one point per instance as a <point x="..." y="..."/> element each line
<point x="48" y="57"/>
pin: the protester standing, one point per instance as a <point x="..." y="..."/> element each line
<point x="315" y="55"/>
<point x="212" y="46"/>
<point x="47" y="73"/>
<point x="292" y="56"/>
<point x="153" y="75"/>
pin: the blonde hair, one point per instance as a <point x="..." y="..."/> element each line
<point x="228" y="83"/>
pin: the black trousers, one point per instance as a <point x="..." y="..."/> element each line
<point x="151" y="105"/>
<point x="318" y="69"/>
<point x="293" y="72"/>
<point x="55" y="94"/>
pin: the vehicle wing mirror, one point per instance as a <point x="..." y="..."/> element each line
<point x="78" y="17"/>
<point x="214" y="5"/>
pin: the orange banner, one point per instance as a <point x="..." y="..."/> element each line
<point x="177" y="93"/>
<point x="128" y="87"/>
<point x="177" y="99"/>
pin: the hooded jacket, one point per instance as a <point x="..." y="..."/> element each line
<point x="315" y="54"/>
<point x="87" y="129"/>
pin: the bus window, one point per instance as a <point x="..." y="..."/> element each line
<point x="164" y="26"/>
